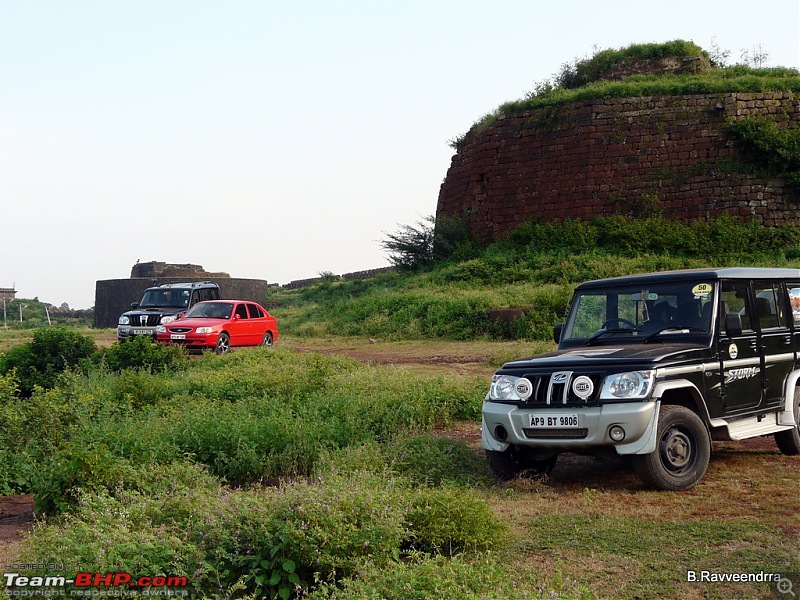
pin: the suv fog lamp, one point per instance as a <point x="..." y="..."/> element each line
<point x="616" y="433"/>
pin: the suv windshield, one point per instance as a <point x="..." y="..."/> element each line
<point x="165" y="297"/>
<point x="641" y="313"/>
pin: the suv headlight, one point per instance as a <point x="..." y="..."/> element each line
<point x="504" y="388"/>
<point x="124" y="320"/>
<point x="168" y="319"/>
<point x="633" y="385"/>
<point x="161" y="329"/>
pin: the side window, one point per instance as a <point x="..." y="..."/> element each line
<point x="794" y="300"/>
<point x="768" y="308"/>
<point x="733" y="299"/>
<point x="255" y="312"/>
<point x="241" y="311"/>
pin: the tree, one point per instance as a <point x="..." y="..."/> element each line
<point x="411" y="247"/>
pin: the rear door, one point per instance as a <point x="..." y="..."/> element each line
<point x="739" y="380"/>
<point x="772" y="316"/>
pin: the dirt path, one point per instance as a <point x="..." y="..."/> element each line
<point x="16" y="518"/>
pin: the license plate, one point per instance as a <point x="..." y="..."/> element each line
<point x="178" y="336"/>
<point x="141" y="332"/>
<point x="554" y="421"/>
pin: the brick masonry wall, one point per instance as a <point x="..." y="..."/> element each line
<point x="605" y="156"/>
<point x="114" y="296"/>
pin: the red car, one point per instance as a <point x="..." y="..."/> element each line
<point x="221" y="324"/>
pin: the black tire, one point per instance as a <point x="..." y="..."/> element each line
<point x="789" y="441"/>
<point x="682" y="452"/>
<point x="223" y="343"/>
<point x="268" y="340"/>
<point x="516" y="461"/>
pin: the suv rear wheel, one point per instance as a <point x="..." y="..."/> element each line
<point x="682" y="454"/>
<point x="789" y="441"/>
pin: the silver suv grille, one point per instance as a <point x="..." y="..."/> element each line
<point x="557" y="388"/>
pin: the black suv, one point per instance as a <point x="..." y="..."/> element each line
<point x="654" y="367"/>
<point x="163" y="304"/>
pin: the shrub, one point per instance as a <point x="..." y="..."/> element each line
<point x="141" y="352"/>
<point x="421" y="577"/>
<point x="435" y="460"/>
<point x="40" y="362"/>
<point x="452" y="520"/>
<point x="770" y="147"/>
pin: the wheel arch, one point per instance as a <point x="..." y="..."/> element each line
<point x="792" y="382"/>
<point x="682" y="392"/>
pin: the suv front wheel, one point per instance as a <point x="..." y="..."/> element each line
<point x="682" y="454"/>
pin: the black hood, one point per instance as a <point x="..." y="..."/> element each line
<point x="601" y="356"/>
<point x="161" y="310"/>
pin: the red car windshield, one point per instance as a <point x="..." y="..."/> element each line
<point x="210" y="310"/>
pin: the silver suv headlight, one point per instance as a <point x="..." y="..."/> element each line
<point x="124" y="320"/>
<point x="504" y="388"/>
<point x="633" y="385"/>
<point x="168" y="319"/>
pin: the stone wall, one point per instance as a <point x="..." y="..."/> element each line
<point x="114" y="296"/>
<point x="367" y="274"/>
<point x="629" y="155"/>
<point x="162" y="269"/>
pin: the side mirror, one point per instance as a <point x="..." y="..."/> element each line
<point x="134" y="304"/>
<point x="557" y="332"/>
<point x="733" y="324"/>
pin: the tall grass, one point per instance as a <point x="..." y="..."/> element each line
<point x="248" y="417"/>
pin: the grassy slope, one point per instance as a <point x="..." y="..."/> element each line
<point x="537" y="268"/>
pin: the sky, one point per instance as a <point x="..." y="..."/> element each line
<point x="277" y="140"/>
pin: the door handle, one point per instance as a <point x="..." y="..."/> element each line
<point x="753" y="344"/>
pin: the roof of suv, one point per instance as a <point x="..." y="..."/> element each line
<point x="197" y="284"/>
<point x="693" y="274"/>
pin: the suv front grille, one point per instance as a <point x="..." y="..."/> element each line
<point x="147" y="320"/>
<point x="556" y="388"/>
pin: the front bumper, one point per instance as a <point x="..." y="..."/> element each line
<point x="127" y="331"/>
<point x="506" y="424"/>
<point x="192" y="341"/>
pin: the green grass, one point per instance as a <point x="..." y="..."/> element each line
<point x="271" y="468"/>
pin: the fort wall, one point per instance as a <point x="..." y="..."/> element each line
<point x="619" y="155"/>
